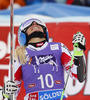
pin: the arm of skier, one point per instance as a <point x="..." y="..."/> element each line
<point x="79" y="57"/>
<point x="18" y="77"/>
<point x="78" y="70"/>
<point x="13" y="87"/>
<point x="66" y="59"/>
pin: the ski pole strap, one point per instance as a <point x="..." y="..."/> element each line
<point x="5" y="95"/>
<point x="79" y="53"/>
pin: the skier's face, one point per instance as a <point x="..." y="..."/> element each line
<point x="34" y="27"/>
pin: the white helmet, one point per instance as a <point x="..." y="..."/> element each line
<point x="22" y="36"/>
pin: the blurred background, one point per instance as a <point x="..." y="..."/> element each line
<point x="63" y="18"/>
<point x="5" y="4"/>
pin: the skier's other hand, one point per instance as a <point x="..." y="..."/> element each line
<point x="9" y="88"/>
<point x="80" y="39"/>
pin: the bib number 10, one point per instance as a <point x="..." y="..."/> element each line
<point x="46" y="79"/>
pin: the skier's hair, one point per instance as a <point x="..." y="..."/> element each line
<point x="20" y="54"/>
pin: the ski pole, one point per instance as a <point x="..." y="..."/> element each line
<point x="11" y="41"/>
<point x="11" y="44"/>
<point x="75" y="46"/>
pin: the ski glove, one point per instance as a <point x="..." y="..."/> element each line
<point x="9" y="88"/>
<point x="81" y="41"/>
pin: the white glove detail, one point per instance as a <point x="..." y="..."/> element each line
<point x="10" y="88"/>
<point x="80" y="39"/>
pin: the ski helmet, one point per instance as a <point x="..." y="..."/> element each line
<point x="22" y="35"/>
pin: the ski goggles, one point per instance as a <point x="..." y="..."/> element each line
<point x="29" y="22"/>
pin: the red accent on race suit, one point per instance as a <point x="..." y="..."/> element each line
<point x="75" y="75"/>
<point x="65" y="59"/>
<point x="18" y="74"/>
<point x="39" y="44"/>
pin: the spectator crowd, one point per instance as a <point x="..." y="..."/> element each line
<point x="5" y="4"/>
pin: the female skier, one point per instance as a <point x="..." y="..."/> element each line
<point x="40" y="63"/>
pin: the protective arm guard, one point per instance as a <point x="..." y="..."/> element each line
<point x="81" y="69"/>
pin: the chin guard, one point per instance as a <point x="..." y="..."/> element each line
<point x="34" y="35"/>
